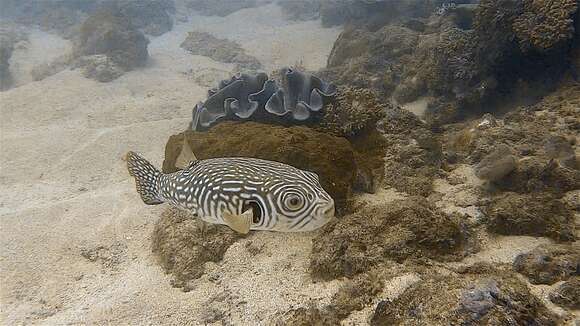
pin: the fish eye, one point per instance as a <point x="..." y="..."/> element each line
<point x="310" y="196"/>
<point x="293" y="202"/>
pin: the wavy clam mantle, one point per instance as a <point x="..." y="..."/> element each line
<point x="297" y="99"/>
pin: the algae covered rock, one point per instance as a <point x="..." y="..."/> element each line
<point x="413" y="153"/>
<point x="353" y="295"/>
<point x="64" y="21"/>
<point x="10" y="36"/>
<point x="549" y="264"/>
<point x="205" y="44"/>
<point x="151" y="16"/>
<point x="353" y="111"/>
<point x="535" y="174"/>
<point x="486" y="297"/>
<point x="497" y="164"/>
<point x="332" y="158"/>
<point x="379" y="233"/>
<point x="109" y="33"/>
<point x="364" y="59"/>
<point x="99" y="67"/>
<point x="220" y="8"/>
<point x="567" y="294"/>
<point x="540" y="214"/>
<point x="300" y="10"/>
<point x="6" y="49"/>
<point x="183" y="244"/>
<point x="305" y="316"/>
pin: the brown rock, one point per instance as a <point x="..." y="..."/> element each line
<point x="331" y="157"/>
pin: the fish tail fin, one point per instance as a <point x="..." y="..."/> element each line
<point x="146" y="178"/>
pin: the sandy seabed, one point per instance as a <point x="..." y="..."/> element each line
<point x="75" y="238"/>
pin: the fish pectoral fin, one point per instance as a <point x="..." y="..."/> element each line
<point x="239" y="223"/>
<point x="186" y="156"/>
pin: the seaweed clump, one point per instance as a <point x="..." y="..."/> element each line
<point x="380" y="233"/>
<point x="479" y="295"/>
<point x="184" y="244"/>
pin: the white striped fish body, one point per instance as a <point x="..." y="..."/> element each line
<point x="282" y="198"/>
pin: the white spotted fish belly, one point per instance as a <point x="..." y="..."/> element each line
<point x="243" y="193"/>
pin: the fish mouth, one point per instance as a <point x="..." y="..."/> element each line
<point x="329" y="212"/>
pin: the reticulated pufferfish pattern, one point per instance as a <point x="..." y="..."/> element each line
<point x="280" y="197"/>
<point x="298" y="98"/>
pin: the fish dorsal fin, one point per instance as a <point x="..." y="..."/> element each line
<point x="186" y="156"/>
<point x="239" y="223"/>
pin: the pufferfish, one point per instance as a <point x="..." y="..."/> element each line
<point x="242" y="193"/>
